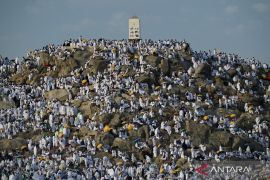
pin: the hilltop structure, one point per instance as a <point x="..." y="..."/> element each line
<point x="134" y="32"/>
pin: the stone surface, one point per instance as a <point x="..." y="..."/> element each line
<point x="60" y="94"/>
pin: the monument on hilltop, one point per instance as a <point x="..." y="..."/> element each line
<point x="134" y="31"/>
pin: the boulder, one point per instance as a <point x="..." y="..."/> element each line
<point x="74" y="91"/>
<point x="199" y="132"/>
<point x="145" y="78"/>
<point x="183" y="164"/>
<point x="88" y="109"/>
<point x="105" y="118"/>
<point x="164" y="141"/>
<point x="244" y="142"/>
<point x="126" y="96"/>
<point x="124" y="145"/>
<point x="185" y="64"/>
<point x="82" y="55"/>
<point x="105" y="138"/>
<point x="164" y="66"/>
<point x="12" y="144"/>
<point x="143" y="132"/>
<point x="35" y="79"/>
<point x="153" y="60"/>
<point x="45" y="59"/>
<point x="179" y="65"/>
<point x="246" y="98"/>
<point x="77" y="103"/>
<point x="86" y="132"/>
<point x="245" y="121"/>
<point x="203" y="69"/>
<point x="20" y="78"/>
<point x="220" y="138"/>
<point x="117" y="99"/>
<point x="232" y="72"/>
<point x="64" y="67"/>
<point x="60" y="94"/>
<point x="130" y="72"/>
<point x="97" y="65"/>
<point x="202" y="134"/>
<point x="116" y="120"/>
<point x="5" y="103"/>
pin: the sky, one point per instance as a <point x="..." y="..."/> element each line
<point x="234" y="26"/>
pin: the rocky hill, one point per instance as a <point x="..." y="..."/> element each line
<point x="151" y="103"/>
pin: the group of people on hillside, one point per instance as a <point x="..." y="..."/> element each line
<point x="61" y="154"/>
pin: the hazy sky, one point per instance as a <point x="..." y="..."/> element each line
<point x="235" y="26"/>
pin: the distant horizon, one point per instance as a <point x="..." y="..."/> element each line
<point x="236" y="27"/>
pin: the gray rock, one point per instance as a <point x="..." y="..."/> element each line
<point x="60" y="94"/>
<point x="105" y="138"/>
<point x="203" y="69"/>
<point x="124" y="145"/>
<point x="165" y="67"/>
<point x="153" y="60"/>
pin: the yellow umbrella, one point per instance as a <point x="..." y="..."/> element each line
<point x="232" y="115"/>
<point x="130" y="92"/>
<point x="130" y="127"/>
<point x="119" y="163"/>
<point x="84" y="81"/>
<point x="107" y="128"/>
<point x="175" y="171"/>
<point x="205" y="118"/>
<point x="41" y="158"/>
<point x="161" y="170"/>
<point x="136" y="56"/>
<point x="60" y="134"/>
<point x="99" y="146"/>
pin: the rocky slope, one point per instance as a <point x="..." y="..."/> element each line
<point x="219" y="116"/>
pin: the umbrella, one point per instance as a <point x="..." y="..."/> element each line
<point x="130" y="127"/>
<point x="99" y="146"/>
<point x="107" y="128"/>
<point x="205" y="118"/>
<point x="84" y="81"/>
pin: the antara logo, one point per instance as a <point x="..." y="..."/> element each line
<point x="230" y="169"/>
<point x="201" y="169"/>
<point x="222" y="169"/>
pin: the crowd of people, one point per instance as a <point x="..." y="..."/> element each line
<point x="61" y="154"/>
